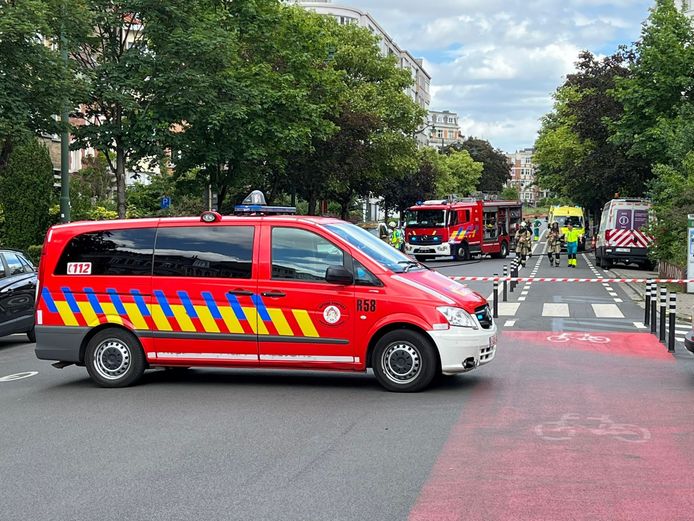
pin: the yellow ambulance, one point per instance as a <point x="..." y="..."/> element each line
<point x="570" y="214"/>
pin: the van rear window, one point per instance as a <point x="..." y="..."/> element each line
<point x="204" y="251"/>
<point x="111" y="252"/>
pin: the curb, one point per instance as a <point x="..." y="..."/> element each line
<point x="640" y="290"/>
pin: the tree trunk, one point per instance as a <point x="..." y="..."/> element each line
<point x="312" y="204"/>
<point x="120" y="179"/>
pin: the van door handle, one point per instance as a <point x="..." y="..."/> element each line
<point x="240" y="292"/>
<point x="273" y="294"/>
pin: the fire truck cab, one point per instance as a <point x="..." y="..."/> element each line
<point x="461" y="228"/>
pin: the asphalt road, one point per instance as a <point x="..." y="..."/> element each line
<point x="583" y="415"/>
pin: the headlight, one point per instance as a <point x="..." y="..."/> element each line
<point x="457" y="317"/>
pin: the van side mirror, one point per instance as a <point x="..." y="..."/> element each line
<point x="339" y="275"/>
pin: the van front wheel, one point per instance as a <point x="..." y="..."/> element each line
<point x="404" y="361"/>
<point x="114" y="358"/>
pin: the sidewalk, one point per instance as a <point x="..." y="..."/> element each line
<point x="685" y="302"/>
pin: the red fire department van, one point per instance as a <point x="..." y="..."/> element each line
<point x="461" y="228"/>
<point x="255" y="291"/>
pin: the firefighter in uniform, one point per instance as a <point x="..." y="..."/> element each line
<point x="571" y="236"/>
<point x="554" y="240"/>
<point x="523" y="241"/>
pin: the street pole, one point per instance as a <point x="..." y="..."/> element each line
<point x="64" y="137"/>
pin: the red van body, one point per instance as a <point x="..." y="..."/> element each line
<point x="258" y="291"/>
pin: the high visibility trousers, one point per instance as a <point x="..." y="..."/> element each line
<point x="571" y="249"/>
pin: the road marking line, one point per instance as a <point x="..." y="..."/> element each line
<point x="508" y="309"/>
<point x="683" y="326"/>
<point x="679" y="339"/>
<point x="521" y="299"/>
<point x="510" y="323"/>
<point x="613" y="294"/>
<point x="607" y="311"/>
<point x="639" y="325"/>
<point x="618" y="300"/>
<point x="555" y="310"/>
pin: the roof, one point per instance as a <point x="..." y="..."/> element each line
<point x="193" y="221"/>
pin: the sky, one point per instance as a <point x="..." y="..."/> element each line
<point x="497" y="62"/>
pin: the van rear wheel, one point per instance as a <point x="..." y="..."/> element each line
<point x="404" y="361"/>
<point x="114" y="358"/>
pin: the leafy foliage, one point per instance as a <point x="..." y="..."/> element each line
<point x="26" y="192"/>
<point x="496" y="166"/>
<point x="33" y="80"/>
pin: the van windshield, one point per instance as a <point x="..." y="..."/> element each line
<point x="376" y="249"/>
<point x="425" y="218"/>
<point x="575" y="220"/>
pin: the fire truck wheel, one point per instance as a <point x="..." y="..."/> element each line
<point x="404" y="361"/>
<point x="114" y="358"/>
<point x="463" y="252"/>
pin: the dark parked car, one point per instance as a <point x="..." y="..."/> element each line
<point x="17" y="294"/>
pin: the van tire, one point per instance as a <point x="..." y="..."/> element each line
<point x="404" y="361"/>
<point x="114" y="358"/>
<point x="31" y="335"/>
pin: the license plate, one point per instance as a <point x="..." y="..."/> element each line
<point x="622" y="250"/>
<point x="492" y="341"/>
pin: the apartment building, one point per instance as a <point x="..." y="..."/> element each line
<point x="523" y="177"/>
<point x="444" y="129"/>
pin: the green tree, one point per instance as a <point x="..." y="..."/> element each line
<point x="260" y="85"/>
<point x="510" y="193"/>
<point x="373" y="120"/>
<point x="26" y="192"/>
<point x="33" y="79"/>
<point x="661" y="79"/>
<point x="460" y="174"/>
<point x="112" y="62"/>
<point x="573" y="151"/>
<point x="496" y="166"/>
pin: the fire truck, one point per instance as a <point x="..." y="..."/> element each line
<point x="461" y="228"/>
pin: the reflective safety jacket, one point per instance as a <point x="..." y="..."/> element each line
<point x="572" y="235"/>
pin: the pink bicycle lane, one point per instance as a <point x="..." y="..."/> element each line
<point x="625" y="449"/>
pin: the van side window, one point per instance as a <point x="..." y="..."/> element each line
<point x="111" y="252"/>
<point x="467" y="216"/>
<point x="363" y="277"/>
<point x="302" y="255"/>
<point x="205" y="251"/>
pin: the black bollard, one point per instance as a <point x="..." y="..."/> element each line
<point x="505" y="284"/>
<point x="496" y="296"/>
<point x="663" y="302"/>
<point x="654" y="309"/>
<point x="672" y="317"/>
<point x="647" y="316"/>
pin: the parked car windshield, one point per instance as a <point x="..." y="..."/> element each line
<point x="375" y="248"/>
<point x="425" y="218"/>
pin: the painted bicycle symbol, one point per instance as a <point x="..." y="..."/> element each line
<point x="570" y="425"/>
<point x="578" y="337"/>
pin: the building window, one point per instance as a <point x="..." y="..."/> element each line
<point x="439" y="133"/>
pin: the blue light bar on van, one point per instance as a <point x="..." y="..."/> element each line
<point x="259" y="209"/>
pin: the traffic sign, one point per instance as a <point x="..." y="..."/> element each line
<point x="165" y="202"/>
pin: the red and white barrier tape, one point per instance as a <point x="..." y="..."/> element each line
<point x="556" y="279"/>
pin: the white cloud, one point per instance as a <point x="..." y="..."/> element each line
<point x="497" y="62"/>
